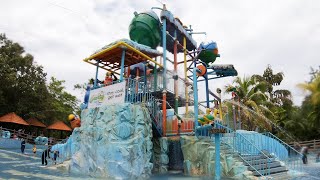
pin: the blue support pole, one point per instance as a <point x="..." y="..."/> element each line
<point x="122" y="64"/>
<point x="145" y="75"/>
<point x="96" y="78"/>
<point x="195" y="96"/>
<point x="164" y="45"/>
<point x="207" y="90"/>
<point x="164" y="92"/>
<point x="217" y="151"/>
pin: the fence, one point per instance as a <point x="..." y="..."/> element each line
<point x="172" y="128"/>
<point x="314" y="145"/>
<point x="29" y="138"/>
<point x="156" y="84"/>
<point x="257" y="160"/>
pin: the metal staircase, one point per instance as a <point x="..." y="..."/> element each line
<point x="261" y="162"/>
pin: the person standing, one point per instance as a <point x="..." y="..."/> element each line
<point x="55" y="156"/>
<point x="45" y="154"/>
<point x="34" y="150"/>
<point x="304" y="152"/>
<point x="318" y="157"/>
<point x="23" y="145"/>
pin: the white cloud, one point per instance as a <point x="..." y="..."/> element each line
<point x="250" y="34"/>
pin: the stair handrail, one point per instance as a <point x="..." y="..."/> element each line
<point x="291" y="157"/>
<point x="157" y="119"/>
<point x="260" y="151"/>
<point x="218" y="124"/>
<point x="278" y="139"/>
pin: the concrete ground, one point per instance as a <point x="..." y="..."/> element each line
<point x="310" y="171"/>
<point x="14" y="165"/>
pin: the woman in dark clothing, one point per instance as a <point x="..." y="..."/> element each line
<point x="23" y="146"/>
<point x="304" y="152"/>
<point x="45" y="154"/>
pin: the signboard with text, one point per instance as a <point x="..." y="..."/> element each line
<point x="217" y="131"/>
<point x="108" y="95"/>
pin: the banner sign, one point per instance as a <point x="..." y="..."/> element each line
<point x="107" y="95"/>
<point x="217" y="131"/>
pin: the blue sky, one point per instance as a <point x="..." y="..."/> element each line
<point x="250" y="33"/>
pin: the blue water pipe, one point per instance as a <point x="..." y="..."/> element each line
<point x="164" y="45"/>
<point x="122" y="64"/>
<point x="195" y="95"/>
<point x="96" y="78"/>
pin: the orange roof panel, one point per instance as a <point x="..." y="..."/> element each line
<point x="35" y="122"/>
<point x="59" y="125"/>
<point x="13" y="118"/>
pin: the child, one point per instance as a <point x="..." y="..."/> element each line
<point x="304" y="152"/>
<point x="34" y="150"/>
<point x="318" y="157"/>
<point x="55" y="155"/>
<point x="23" y="146"/>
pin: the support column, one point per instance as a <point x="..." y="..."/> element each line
<point x="207" y="90"/>
<point x="185" y="73"/>
<point x="155" y="77"/>
<point x="164" y="112"/>
<point x="122" y="64"/>
<point x="164" y="92"/>
<point x="96" y="78"/>
<point x="239" y="112"/>
<point x="217" y="153"/>
<point x="175" y="66"/>
<point x="220" y="106"/>
<point x="195" y="94"/>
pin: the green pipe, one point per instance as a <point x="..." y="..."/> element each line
<point x="155" y="76"/>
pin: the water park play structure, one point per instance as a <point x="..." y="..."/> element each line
<point x="144" y="118"/>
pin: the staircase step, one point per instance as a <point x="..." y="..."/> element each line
<point x="257" y="161"/>
<point x="265" y="166"/>
<point x="272" y="171"/>
<point x="253" y="157"/>
<point x="280" y="176"/>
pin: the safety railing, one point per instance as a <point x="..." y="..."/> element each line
<point x="60" y="152"/>
<point x="155" y="112"/>
<point x="172" y="125"/>
<point x="257" y="160"/>
<point x="312" y="144"/>
<point x="156" y="84"/>
<point x="139" y="92"/>
<point x="284" y="152"/>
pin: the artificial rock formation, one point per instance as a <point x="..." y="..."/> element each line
<point x="112" y="142"/>
<point x="161" y="159"/>
<point x="199" y="159"/>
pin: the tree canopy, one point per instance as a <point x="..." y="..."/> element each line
<point x="24" y="89"/>
<point x="262" y="103"/>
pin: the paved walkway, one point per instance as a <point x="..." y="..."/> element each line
<point x="14" y="165"/>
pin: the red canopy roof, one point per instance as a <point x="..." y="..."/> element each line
<point x="35" y="122"/>
<point x="59" y="125"/>
<point x="13" y="118"/>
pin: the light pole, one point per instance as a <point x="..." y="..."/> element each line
<point x="234" y="112"/>
<point x="220" y="105"/>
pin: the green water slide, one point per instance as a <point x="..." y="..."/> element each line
<point x="145" y="29"/>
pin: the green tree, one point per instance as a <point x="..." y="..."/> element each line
<point x="24" y="89"/>
<point x="314" y="100"/>
<point x="251" y="93"/>
<point x="62" y="102"/>
<point x="23" y="82"/>
<point x="281" y="96"/>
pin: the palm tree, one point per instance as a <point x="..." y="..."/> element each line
<point x="278" y="97"/>
<point x="252" y="94"/>
<point x="314" y="88"/>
